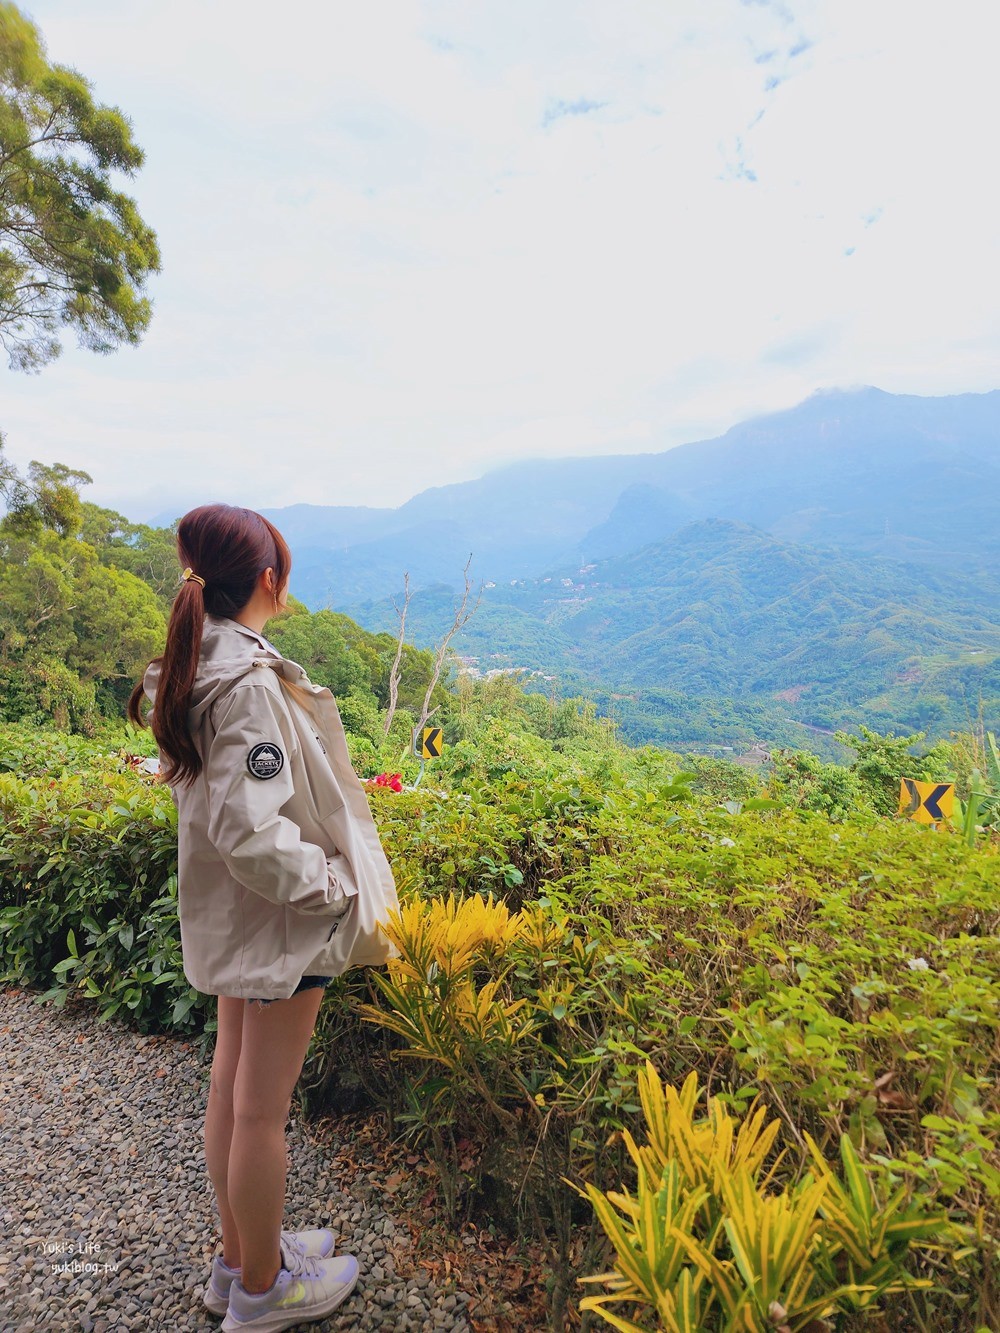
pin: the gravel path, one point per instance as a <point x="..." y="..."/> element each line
<point x="102" y="1170"/>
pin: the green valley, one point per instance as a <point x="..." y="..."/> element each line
<point x="807" y="638"/>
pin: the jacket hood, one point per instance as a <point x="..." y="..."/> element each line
<point x="229" y="651"/>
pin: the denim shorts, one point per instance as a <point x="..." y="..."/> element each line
<point x="307" y="983"/>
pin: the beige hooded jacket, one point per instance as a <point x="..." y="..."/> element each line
<point x="275" y="837"/>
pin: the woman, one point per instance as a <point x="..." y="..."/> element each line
<point x="275" y="840"/>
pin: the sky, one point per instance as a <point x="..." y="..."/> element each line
<point x="405" y="243"/>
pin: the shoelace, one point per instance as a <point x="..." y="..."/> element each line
<point x="304" y="1265"/>
<point x="299" y="1263"/>
<point x="292" y="1242"/>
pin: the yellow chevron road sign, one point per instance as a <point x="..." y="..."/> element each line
<point x="428" y="743"/>
<point x="926" y="802"/>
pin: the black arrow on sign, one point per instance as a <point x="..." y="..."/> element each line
<point x="931" y="803"/>
<point x="914" y="795"/>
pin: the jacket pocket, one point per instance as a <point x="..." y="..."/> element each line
<point x="323" y="790"/>
<point x="343" y="881"/>
<point x="327" y="805"/>
<point x="339" y="921"/>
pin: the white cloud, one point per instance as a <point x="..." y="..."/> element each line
<point x="388" y="264"/>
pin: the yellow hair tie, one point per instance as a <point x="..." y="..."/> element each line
<point x="190" y="574"/>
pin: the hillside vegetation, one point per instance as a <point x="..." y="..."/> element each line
<point x="704" y="635"/>
<point x="721" y="611"/>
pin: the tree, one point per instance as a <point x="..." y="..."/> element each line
<point x="318" y="643"/>
<point x="148" y="553"/>
<point x="74" y="251"/>
<point x="69" y="625"/>
<point x="48" y="497"/>
<point x="881" y="761"/>
<point x="74" y="633"/>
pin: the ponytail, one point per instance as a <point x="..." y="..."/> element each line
<point x="178" y="667"/>
<point x="230" y="548"/>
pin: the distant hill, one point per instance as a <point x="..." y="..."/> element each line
<point x="722" y="607"/>
<point x="895" y="476"/>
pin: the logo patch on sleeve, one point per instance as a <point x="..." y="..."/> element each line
<point x="266" y="761"/>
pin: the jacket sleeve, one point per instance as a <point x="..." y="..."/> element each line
<point x="248" y="780"/>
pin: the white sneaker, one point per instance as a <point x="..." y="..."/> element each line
<point x="306" y="1288"/>
<point x="318" y="1241"/>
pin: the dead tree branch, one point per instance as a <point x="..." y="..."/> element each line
<point x="395" y="670"/>
<point x="462" y="617"/>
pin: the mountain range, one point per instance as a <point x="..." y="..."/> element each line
<point x="896" y="476"/>
<point x="840" y="556"/>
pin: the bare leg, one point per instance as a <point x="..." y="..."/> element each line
<point x="219" y="1118"/>
<point x="274" y="1044"/>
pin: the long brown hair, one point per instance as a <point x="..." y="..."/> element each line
<point x="229" y="548"/>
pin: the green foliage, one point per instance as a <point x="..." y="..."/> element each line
<point x="360" y="715"/>
<point x="74" y="251"/>
<point x="68" y="627"/>
<point x="84" y="596"/>
<point x="28" y="752"/>
<point x="493" y="727"/>
<point x="981" y="810"/>
<point x="321" y="644"/>
<point x="723" y="779"/>
<point x="43" y="692"/>
<point x="779" y="933"/>
<point x="88" y="889"/>
<point x="881" y="761"/>
<point x="804" y="782"/>
<point x="148" y="553"/>
<point x="992" y="765"/>
<point x="843" y="971"/>
<point x="496" y="753"/>
<point x="48" y="497"/>
<point x="355" y="665"/>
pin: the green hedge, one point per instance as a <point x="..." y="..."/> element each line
<point x="88" y="894"/>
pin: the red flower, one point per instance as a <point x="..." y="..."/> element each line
<point x="394" y="781"/>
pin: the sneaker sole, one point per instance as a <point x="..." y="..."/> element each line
<point x="273" y="1321"/>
